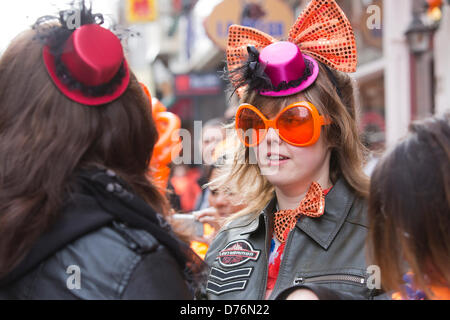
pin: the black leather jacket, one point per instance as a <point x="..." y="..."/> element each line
<point x="326" y="253"/>
<point x="115" y="262"/>
<point x="89" y="254"/>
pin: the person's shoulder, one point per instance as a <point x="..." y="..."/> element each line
<point x="144" y="268"/>
<point x="116" y="239"/>
<point x="242" y="221"/>
<point x="238" y="224"/>
<point x="231" y="231"/>
<point x="355" y="205"/>
<point x="358" y="212"/>
<point x="104" y="260"/>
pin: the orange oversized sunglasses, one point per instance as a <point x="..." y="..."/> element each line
<point x="298" y="124"/>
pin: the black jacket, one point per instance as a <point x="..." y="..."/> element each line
<point x="91" y="254"/>
<point x="325" y="253"/>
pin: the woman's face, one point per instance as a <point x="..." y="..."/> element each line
<point x="212" y="136"/>
<point x="292" y="168"/>
<point x="225" y="204"/>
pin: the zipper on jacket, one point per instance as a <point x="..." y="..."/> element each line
<point x="331" y="277"/>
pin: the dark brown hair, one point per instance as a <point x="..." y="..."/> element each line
<point x="45" y="138"/>
<point x="409" y="208"/>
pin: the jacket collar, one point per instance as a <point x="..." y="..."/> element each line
<point x="322" y="230"/>
<point x="259" y="220"/>
<point x="337" y="207"/>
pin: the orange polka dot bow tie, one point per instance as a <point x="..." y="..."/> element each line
<point x="322" y="31"/>
<point x="312" y="205"/>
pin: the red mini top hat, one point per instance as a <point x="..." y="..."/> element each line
<point x="92" y="56"/>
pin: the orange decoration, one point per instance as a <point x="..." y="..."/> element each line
<point x="147" y="92"/>
<point x="321" y="31"/>
<point x="168" y="145"/>
<point x="434" y="3"/>
<point x="157" y="106"/>
<point x="200" y="248"/>
<point x="313" y="205"/>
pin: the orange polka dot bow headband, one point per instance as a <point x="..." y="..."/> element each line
<point x="258" y="61"/>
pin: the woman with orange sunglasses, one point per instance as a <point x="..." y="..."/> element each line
<point x="299" y="166"/>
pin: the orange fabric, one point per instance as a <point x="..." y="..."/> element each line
<point x="313" y="205"/>
<point x="199" y="248"/>
<point x="238" y="39"/>
<point x="414" y="293"/>
<point x="208" y="230"/>
<point x="187" y="188"/>
<point x="167" y="125"/>
<point x="396" y="296"/>
<point x="322" y="30"/>
<point x="440" y="293"/>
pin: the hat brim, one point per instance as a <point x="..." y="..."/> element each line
<point x="77" y="95"/>
<point x="303" y="86"/>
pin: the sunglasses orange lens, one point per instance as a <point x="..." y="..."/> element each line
<point x="250" y="127"/>
<point x="296" y="125"/>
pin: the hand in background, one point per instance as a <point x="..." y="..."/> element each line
<point x="210" y="216"/>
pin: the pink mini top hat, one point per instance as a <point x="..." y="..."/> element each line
<point x="289" y="70"/>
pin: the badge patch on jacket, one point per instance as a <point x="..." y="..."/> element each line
<point x="237" y="253"/>
<point x="218" y="282"/>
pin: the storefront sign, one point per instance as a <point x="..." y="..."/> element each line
<point x="273" y="17"/>
<point x="371" y="22"/>
<point x="197" y="84"/>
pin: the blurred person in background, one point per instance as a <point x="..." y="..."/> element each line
<point x="78" y="217"/>
<point x="212" y="135"/>
<point x="184" y="189"/>
<point x="409" y="213"/>
<point x="223" y="206"/>
<point x="202" y="219"/>
<point x="217" y="205"/>
<point x="185" y="186"/>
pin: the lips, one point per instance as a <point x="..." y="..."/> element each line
<point x="276" y="157"/>
<point x="276" y="160"/>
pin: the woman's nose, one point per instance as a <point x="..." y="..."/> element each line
<point x="221" y="200"/>
<point x="272" y="136"/>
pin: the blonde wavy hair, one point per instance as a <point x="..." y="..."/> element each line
<point x="243" y="177"/>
